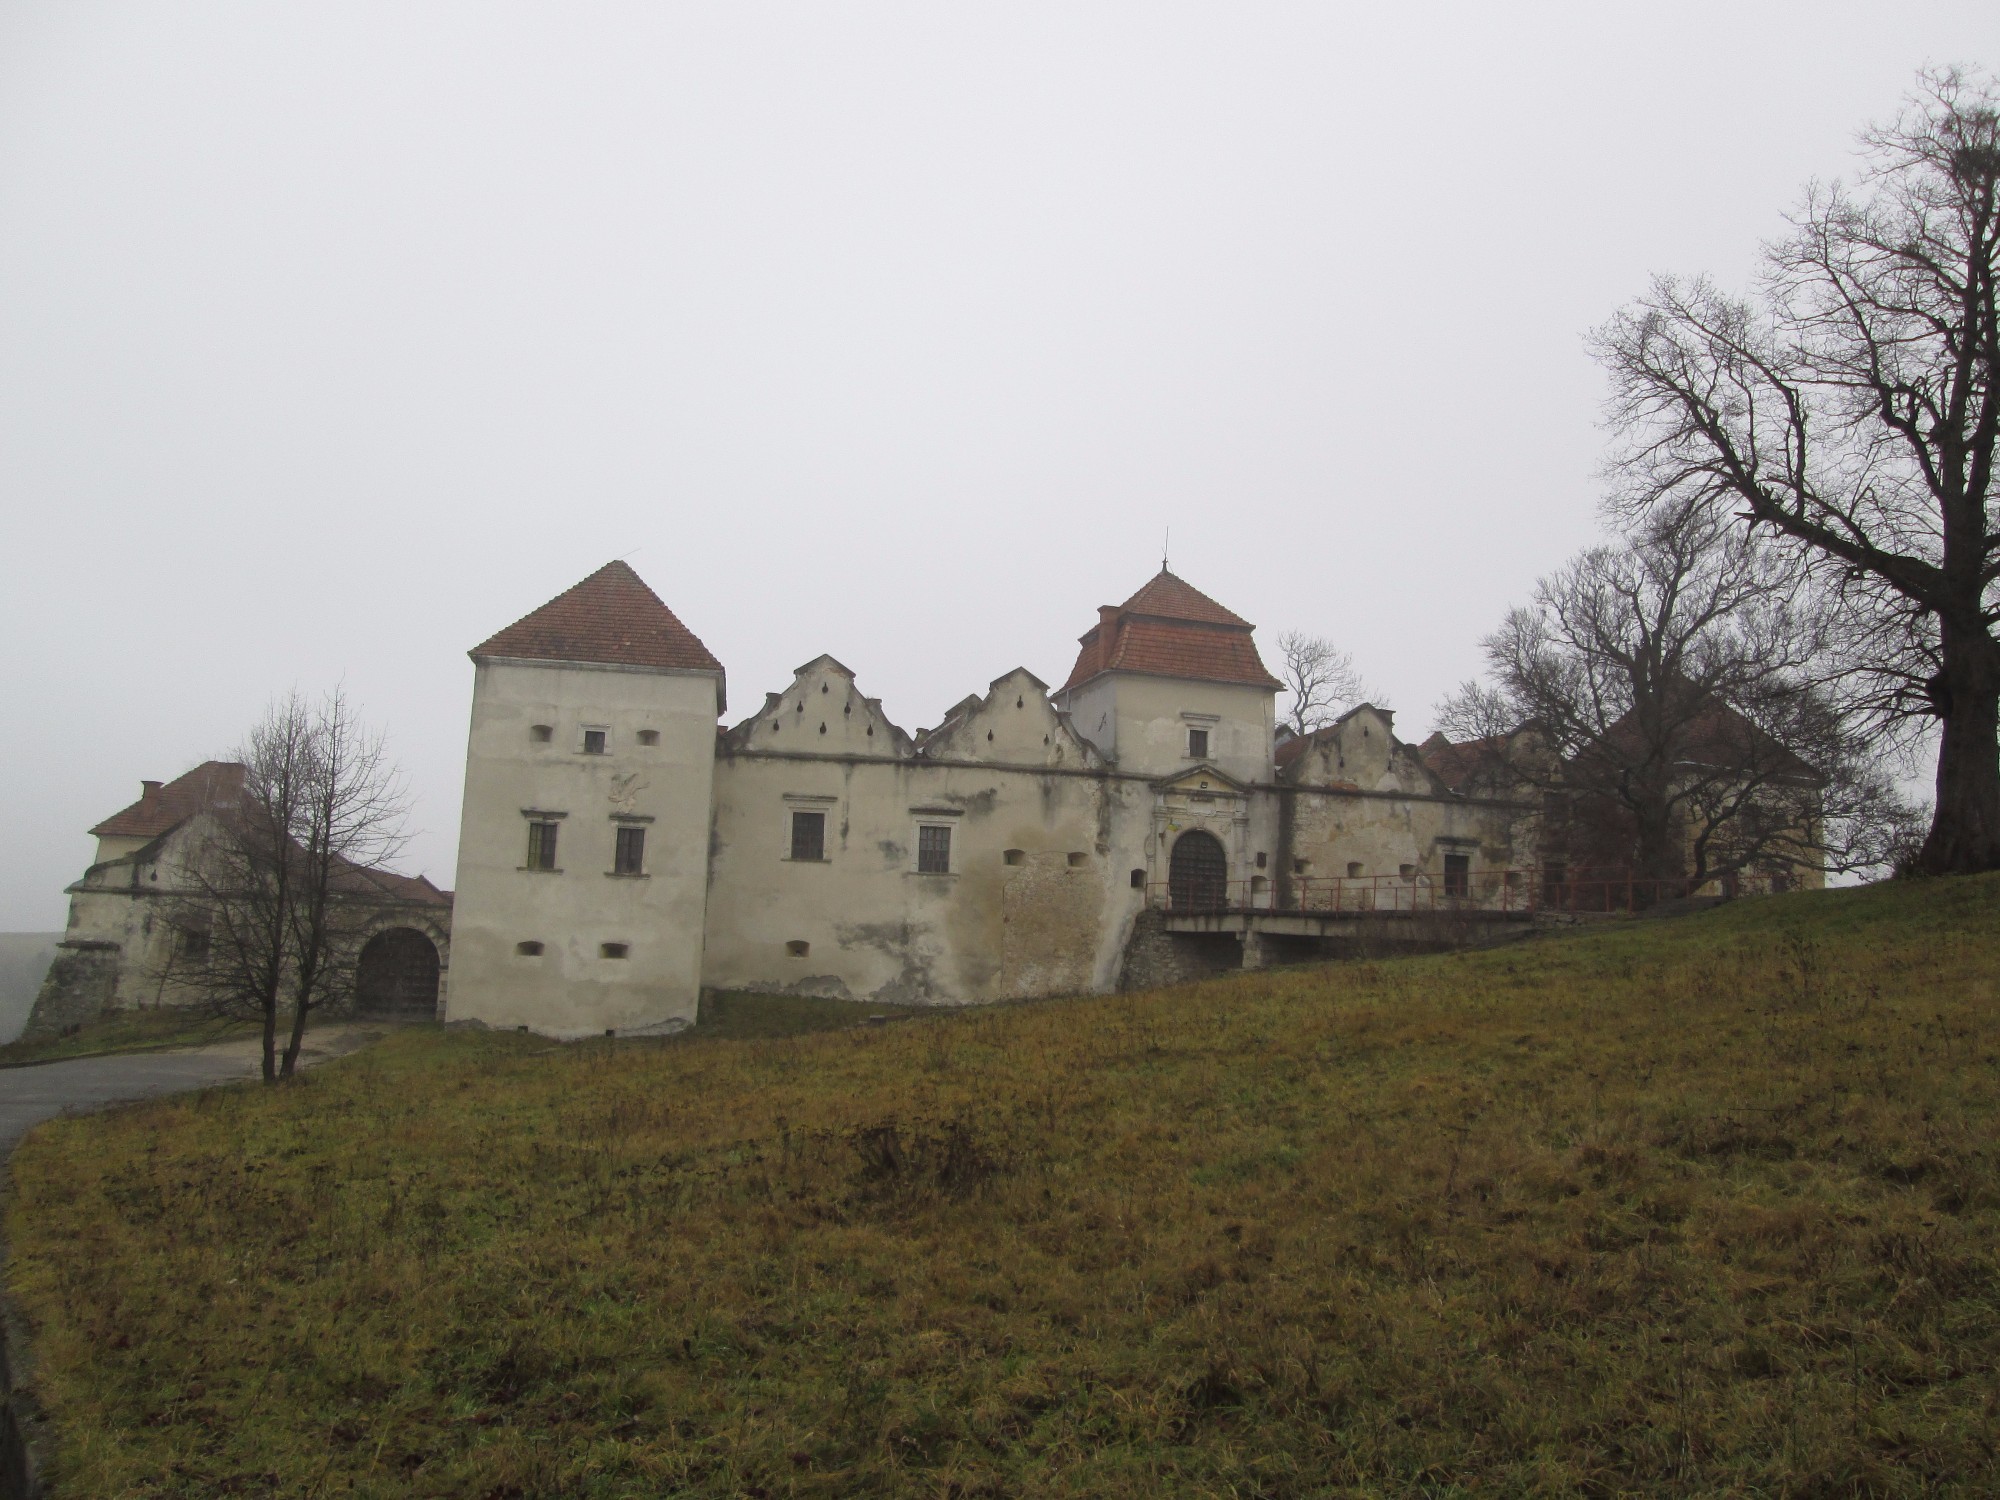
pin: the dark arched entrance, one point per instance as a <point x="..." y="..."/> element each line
<point x="397" y="975"/>
<point x="1198" y="873"/>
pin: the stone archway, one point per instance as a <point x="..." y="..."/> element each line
<point x="1198" y="873"/>
<point x="397" y="975"/>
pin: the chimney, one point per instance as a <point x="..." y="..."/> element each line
<point x="148" y="790"/>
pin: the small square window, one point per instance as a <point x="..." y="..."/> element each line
<point x="1078" y="861"/>
<point x="933" y="850"/>
<point x="529" y="949"/>
<point x="1408" y="872"/>
<point x="631" y="853"/>
<point x="191" y="944"/>
<point x="593" y="741"/>
<point x="798" y="948"/>
<point x="541" y="734"/>
<point x="649" y="736"/>
<point x="1138" y="880"/>
<point x="1014" y="856"/>
<point x="1354" y="869"/>
<point x="541" y="846"/>
<point x="613" y="950"/>
<point x="809" y="837"/>
<point x="1198" y="744"/>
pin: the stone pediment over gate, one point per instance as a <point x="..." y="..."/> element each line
<point x="1200" y="783"/>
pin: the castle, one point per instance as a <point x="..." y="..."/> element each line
<point x="619" y="853"/>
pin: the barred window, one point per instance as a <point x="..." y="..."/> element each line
<point x="1198" y="744"/>
<point x="593" y="742"/>
<point x="809" y="836"/>
<point x="631" y="856"/>
<point x="541" y="846"/>
<point x="933" y="850"/>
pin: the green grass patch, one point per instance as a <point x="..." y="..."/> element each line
<point x="738" y="1015"/>
<point x="129" y="1031"/>
<point x="1694" y="1207"/>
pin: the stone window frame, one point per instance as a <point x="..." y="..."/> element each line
<point x="534" y="817"/>
<point x="949" y="819"/>
<point x="624" y="830"/>
<point x="1206" y="726"/>
<point x="807" y="802"/>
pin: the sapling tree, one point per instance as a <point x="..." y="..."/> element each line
<point x="278" y="889"/>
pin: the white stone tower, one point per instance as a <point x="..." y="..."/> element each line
<point x="583" y="849"/>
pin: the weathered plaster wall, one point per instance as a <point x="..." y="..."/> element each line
<point x="571" y="988"/>
<point x="1365" y="805"/>
<point x="1036" y="900"/>
<point x="1141" y="723"/>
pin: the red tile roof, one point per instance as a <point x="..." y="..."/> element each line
<point x="415" y="890"/>
<point x="213" y="783"/>
<point x="1174" y="598"/>
<point x="1171" y="629"/>
<point x="610" y="617"/>
<point x="1458" y="764"/>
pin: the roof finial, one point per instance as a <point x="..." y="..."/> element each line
<point x="1165" y="543"/>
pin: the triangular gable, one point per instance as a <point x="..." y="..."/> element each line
<point x="1202" y="778"/>
<point x="1013" y="724"/>
<point x="822" y="713"/>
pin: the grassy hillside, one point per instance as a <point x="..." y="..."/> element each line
<point x="1707" y="1206"/>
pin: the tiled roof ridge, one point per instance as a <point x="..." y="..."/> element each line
<point x="164" y="806"/>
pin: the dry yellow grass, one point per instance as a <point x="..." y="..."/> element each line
<point x="1694" y="1207"/>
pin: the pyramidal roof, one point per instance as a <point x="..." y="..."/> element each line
<point x="610" y="618"/>
<point x="1172" y="598"/>
<point x="1171" y="629"/>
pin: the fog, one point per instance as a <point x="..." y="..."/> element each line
<point x="333" y="338"/>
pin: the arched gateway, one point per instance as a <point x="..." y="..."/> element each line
<point x="397" y="975"/>
<point x="1198" y="873"/>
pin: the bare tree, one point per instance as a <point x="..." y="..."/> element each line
<point x="1681" y="731"/>
<point x="278" y="889"/>
<point x="1852" y="410"/>
<point x="1321" y="680"/>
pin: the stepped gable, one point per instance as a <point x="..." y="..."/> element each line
<point x="610" y="618"/>
<point x="161" y="808"/>
<point x="1171" y="629"/>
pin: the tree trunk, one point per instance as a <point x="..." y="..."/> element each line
<point x="291" y="1062"/>
<point x="1965" y="831"/>
<point x="271" y="1041"/>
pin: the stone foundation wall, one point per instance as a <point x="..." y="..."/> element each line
<point x="1155" y="957"/>
<point x="79" y="988"/>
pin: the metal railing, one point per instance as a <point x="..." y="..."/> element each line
<point x="1505" y="892"/>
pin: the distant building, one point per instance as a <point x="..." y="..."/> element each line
<point x="618" y="853"/>
<point x="128" y="945"/>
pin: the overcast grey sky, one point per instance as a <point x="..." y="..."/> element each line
<point x="334" y="337"/>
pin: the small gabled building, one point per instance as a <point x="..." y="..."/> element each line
<point x="135" y="939"/>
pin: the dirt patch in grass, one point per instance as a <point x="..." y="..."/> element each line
<point x="1705" y="1207"/>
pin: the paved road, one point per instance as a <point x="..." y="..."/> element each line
<point x="31" y="1095"/>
